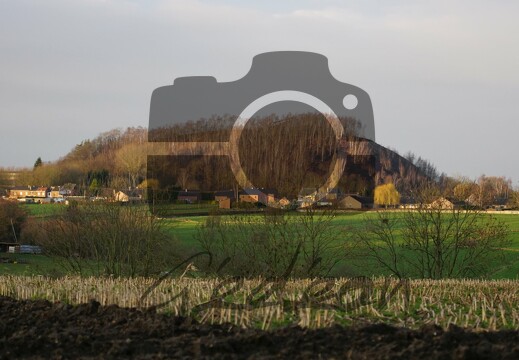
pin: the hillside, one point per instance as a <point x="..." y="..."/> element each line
<point x="117" y="159"/>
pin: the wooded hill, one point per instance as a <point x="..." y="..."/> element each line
<point x="287" y="154"/>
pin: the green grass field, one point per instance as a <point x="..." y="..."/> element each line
<point x="29" y="264"/>
<point x="43" y="210"/>
<point x="184" y="230"/>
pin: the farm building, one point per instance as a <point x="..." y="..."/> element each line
<point x="355" y="202"/>
<point x="4" y="246"/>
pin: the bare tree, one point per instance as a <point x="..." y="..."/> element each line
<point x="183" y="178"/>
<point x="131" y="160"/>
<point x="107" y="239"/>
<point x="12" y="218"/>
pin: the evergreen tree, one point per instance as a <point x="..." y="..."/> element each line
<point x="38" y="163"/>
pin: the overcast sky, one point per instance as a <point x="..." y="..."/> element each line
<point x="443" y="76"/>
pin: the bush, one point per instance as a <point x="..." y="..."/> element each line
<point x="433" y="242"/>
<point x="272" y="244"/>
<point x="107" y="239"/>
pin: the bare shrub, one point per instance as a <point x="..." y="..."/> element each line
<point x="273" y="244"/>
<point x="433" y="242"/>
<point x="107" y="239"/>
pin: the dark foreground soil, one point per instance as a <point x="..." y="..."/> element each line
<point x="41" y="329"/>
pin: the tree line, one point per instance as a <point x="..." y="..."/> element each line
<point x="286" y="153"/>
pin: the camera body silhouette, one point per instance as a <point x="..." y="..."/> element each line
<point x="198" y="116"/>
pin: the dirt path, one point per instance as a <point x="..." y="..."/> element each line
<point x="40" y="329"/>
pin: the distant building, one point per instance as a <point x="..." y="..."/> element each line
<point x="313" y="196"/>
<point x="224" y="203"/>
<point x="333" y="194"/>
<point x="19" y="192"/>
<point x="407" y="202"/>
<point x="54" y="192"/>
<point x="499" y="204"/>
<point x="263" y="196"/>
<point x="68" y="189"/>
<point x="443" y="203"/>
<point x="283" y="202"/>
<point x="189" y="196"/>
<point x="306" y="197"/>
<point x="121" y="196"/>
<point x="22" y="192"/>
<point x="473" y="200"/>
<point x="127" y="195"/>
<point x="356" y="202"/>
<point x="224" y="195"/>
<point x="4" y="246"/>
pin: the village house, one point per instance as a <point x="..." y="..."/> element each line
<point x="306" y="197"/>
<point x="24" y="192"/>
<point x="224" y="195"/>
<point x="224" y="198"/>
<point x="68" y="189"/>
<point x="54" y="192"/>
<point x="128" y="196"/>
<point x="311" y="196"/>
<point x="121" y="197"/>
<point x="263" y="196"/>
